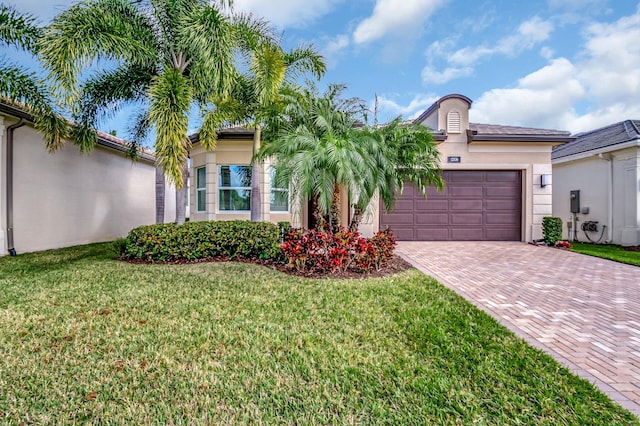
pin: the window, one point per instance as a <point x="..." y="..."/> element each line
<point x="201" y="189"/>
<point x="234" y="187"/>
<point x="279" y="196"/>
<point x="453" y="122"/>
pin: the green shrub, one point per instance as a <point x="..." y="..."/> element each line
<point x="201" y="240"/>
<point x="551" y="229"/>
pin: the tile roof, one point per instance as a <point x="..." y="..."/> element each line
<point x="496" y="129"/>
<point x="18" y="109"/>
<point x="614" y="134"/>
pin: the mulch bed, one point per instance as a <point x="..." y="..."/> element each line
<point x="396" y="265"/>
<point x="632" y="248"/>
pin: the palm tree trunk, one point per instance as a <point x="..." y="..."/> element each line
<point x="356" y="219"/>
<point x="181" y="196"/>
<point x="256" y="195"/>
<point x="160" y="191"/>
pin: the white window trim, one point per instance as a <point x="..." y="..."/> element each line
<point x="202" y="190"/>
<point x="235" y="188"/>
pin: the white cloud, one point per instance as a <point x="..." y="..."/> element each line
<point x="430" y="75"/>
<point x="612" y="65"/>
<point x="606" y="74"/>
<point x="333" y="48"/>
<point x="389" y="109"/>
<point x="399" y="17"/>
<point x="460" y="63"/>
<point x="529" y="34"/>
<point x="287" y="13"/>
<point x="543" y="98"/>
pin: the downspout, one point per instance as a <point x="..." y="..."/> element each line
<point x="10" y="129"/>
<point x="609" y="158"/>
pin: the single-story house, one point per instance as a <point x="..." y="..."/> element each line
<point x="494" y="187"/>
<point x="67" y="198"/>
<point x="597" y="179"/>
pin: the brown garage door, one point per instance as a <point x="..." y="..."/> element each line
<point x="475" y="206"/>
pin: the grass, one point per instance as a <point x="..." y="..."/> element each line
<point x="608" y="251"/>
<point x="86" y="339"/>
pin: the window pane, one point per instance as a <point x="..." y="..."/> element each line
<point x="201" y="180"/>
<point x="279" y="201"/>
<point x="202" y="201"/>
<point x="235" y="199"/>
<point x="235" y="176"/>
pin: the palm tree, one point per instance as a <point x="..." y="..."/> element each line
<point x="321" y="145"/>
<point x="22" y="87"/>
<point x="167" y="56"/>
<point x="317" y="148"/>
<point x="399" y="153"/>
<point x="255" y="99"/>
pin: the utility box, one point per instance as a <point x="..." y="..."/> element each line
<point x="575" y="201"/>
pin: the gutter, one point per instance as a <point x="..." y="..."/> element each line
<point x="9" y="177"/>
<point x="588" y="154"/>
<point x="609" y="158"/>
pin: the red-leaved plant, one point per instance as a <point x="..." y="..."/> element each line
<point x="317" y="250"/>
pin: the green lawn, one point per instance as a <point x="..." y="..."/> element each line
<point x="86" y="339"/>
<point x="607" y="251"/>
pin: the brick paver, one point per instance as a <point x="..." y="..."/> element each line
<point x="582" y="310"/>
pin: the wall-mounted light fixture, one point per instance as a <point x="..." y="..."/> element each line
<point x="545" y="180"/>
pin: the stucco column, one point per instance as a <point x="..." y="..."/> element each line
<point x="542" y="199"/>
<point x="3" y="194"/>
<point x="211" y="184"/>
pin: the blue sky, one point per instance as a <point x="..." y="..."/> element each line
<point x="561" y="64"/>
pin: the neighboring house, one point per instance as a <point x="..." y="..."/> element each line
<point x="604" y="166"/>
<point x="493" y="175"/>
<point x="66" y="198"/>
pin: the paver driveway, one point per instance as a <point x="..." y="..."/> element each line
<point x="582" y="310"/>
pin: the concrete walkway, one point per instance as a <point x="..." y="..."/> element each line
<point x="582" y="310"/>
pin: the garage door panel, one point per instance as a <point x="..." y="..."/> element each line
<point x="432" y="205"/>
<point x="462" y="176"/>
<point x="505" y="204"/>
<point x="502" y="176"/>
<point x="465" y="191"/>
<point x="501" y="219"/>
<point x="467" y="234"/>
<point x="431" y="219"/>
<point x="404" y="234"/>
<point x="502" y="192"/>
<point x="399" y="219"/>
<point x="431" y="234"/>
<point x="466" y="219"/>
<point x="466" y="205"/>
<point x="403" y="205"/>
<point x="476" y="205"/>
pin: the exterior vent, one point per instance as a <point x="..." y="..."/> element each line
<point x="453" y="122"/>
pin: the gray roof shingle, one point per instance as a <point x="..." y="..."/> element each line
<point x="496" y="129"/>
<point x="614" y="134"/>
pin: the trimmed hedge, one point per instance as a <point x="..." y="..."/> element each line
<point x="201" y="240"/>
<point x="551" y="229"/>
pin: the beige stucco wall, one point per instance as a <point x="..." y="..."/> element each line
<point x="609" y="186"/>
<point x="67" y="198"/>
<point x="230" y="151"/>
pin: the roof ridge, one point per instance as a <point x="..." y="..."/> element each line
<point x="632" y="124"/>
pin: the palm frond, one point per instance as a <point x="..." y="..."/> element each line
<point x="98" y="29"/>
<point x="23" y="88"/>
<point x="171" y="97"/>
<point x="18" y="29"/>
